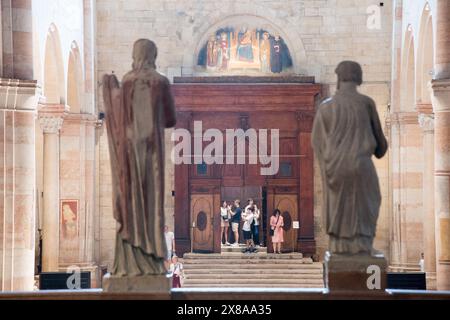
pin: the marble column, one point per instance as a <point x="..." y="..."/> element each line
<point x="51" y="120"/>
<point x="442" y="67"/>
<point x="441" y="105"/>
<point x="77" y="179"/>
<point x="407" y="188"/>
<point x="17" y="35"/>
<point x="426" y="121"/>
<point x="18" y="102"/>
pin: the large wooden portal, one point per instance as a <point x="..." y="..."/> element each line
<point x="287" y="104"/>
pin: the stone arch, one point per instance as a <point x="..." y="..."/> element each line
<point x="37" y="61"/>
<point x="408" y="81"/>
<point x="266" y="18"/>
<point x="425" y="56"/>
<point x="75" y="80"/>
<point x="54" y="82"/>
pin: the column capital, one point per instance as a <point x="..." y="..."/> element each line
<point x="51" y="118"/>
<point x="441" y="95"/>
<point x="426" y="122"/>
<point x="51" y="124"/>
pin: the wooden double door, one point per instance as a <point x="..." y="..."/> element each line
<point x="200" y="188"/>
<point x="205" y="217"/>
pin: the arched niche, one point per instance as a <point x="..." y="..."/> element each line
<point x="74" y="80"/>
<point x="54" y="81"/>
<point x="290" y="38"/>
<point x="408" y="83"/>
<point x="425" y="57"/>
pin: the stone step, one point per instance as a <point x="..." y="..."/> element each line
<point x="244" y="262"/>
<point x="248" y="282"/>
<point x="234" y="269"/>
<point x="261" y="256"/>
<point x="239" y="249"/>
<point x="257" y="271"/>
<point x="253" y="266"/>
<point x="233" y="276"/>
<point x="258" y="286"/>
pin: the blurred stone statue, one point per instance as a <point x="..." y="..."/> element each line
<point x="347" y="133"/>
<point x="137" y="112"/>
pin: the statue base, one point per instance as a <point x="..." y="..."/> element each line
<point x="145" y="284"/>
<point x="355" y="272"/>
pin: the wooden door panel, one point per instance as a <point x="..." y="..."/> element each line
<point x="287" y="204"/>
<point x="202" y="213"/>
<point x="289" y="107"/>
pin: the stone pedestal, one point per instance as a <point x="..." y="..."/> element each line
<point x="355" y="273"/>
<point x="146" y="284"/>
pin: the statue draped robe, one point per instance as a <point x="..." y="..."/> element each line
<point x="136" y="116"/>
<point x="347" y="133"/>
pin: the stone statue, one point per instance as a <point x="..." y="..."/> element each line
<point x="347" y="133"/>
<point x="137" y="112"/>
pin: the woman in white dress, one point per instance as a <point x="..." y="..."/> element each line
<point x="225" y="216"/>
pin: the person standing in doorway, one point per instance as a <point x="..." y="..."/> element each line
<point x="247" y="228"/>
<point x="255" y="227"/>
<point x="277" y="231"/>
<point x="225" y="215"/>
<point x="236" y="216"/>
<point x="256" y="221"/>
<point x="170" y="243"/>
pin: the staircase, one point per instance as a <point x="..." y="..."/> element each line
<point x="233" y="269"/>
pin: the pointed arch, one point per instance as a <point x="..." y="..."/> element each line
<point x="54" y="81"/>
<point x="408" y="83"/>
<point x="74" y="80"/>
<point x="425" y="56"/>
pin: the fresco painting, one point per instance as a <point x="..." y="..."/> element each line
<point x="244" y="49"/>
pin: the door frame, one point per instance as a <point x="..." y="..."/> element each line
<point x="244" y="196"/>
<point x="293" y="96"/>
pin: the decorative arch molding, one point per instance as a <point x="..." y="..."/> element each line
<point x="408" y="80"/>
<point x="54" y="80"/>
<point x="269" y="22"/>
<point x="425" y="56"/>
<point x="75" y="80"/>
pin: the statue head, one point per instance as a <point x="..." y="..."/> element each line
<point x="145" y="53"/>
<point x="349" y="71"/>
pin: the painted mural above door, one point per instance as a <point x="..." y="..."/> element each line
<point x="243" y="49"/>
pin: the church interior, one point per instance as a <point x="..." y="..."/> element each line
<point x="232" y="64"/>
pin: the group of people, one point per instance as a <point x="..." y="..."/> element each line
<point x="233" y="215"/>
